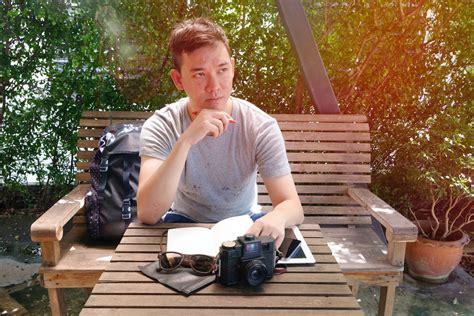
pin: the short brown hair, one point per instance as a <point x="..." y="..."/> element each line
<point x="190" y="35"/>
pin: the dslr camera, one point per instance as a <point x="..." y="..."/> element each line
<point x="248" y="259"/>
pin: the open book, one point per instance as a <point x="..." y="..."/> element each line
<point x="205" y="241"/>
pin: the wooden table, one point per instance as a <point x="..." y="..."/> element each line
<point x="122" y="289"/>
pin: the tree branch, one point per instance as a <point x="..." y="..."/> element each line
<point x="418" y="223"/>
<point x="459" y="215"/>
<point x="434" y="201"/>
<point x="450" y="207"/>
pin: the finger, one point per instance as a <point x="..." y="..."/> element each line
<point x="274" y="233"/>
<point x="255" y="229"/>
<point x="270" y="230"/>
<point x="231" y="119"/>
<point x="223" y="117"/>
<point x="279" y="240"/>
<point x="213" y="130"/>
<point x="219" y="124"/>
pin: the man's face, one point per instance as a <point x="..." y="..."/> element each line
<point x="206" y="76"/>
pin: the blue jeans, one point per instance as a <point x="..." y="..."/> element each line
<point x="173" y="217"/>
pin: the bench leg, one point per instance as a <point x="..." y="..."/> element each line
<point x="56" y="301"/>
<point x="387" y="300"/>
<point x="354" y="285"/>
<point x="88" y="291"/>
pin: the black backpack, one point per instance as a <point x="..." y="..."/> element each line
<point x="111" y="202"/>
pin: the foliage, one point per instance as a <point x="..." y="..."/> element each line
<point x="406" y="64"/>
<point x="438" y="165"/>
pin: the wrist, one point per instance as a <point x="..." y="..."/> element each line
<point x="279" y="216"/>
<point x="183" y="143"/>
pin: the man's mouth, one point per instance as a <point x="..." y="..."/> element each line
<point x="214" y="99"/>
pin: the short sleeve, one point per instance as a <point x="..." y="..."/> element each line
<point x="271" y="153"/>
<point x="156" y="138"/>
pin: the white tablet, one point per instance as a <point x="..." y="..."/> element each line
<point x="303" y="254"/>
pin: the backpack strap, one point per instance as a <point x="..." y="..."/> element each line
<point x="103" y="168"/>
<point x="127" y="189"/>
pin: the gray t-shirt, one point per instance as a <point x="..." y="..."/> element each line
<point x="219" y="176"/>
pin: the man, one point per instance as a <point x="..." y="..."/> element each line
<point x="200" y="154"/>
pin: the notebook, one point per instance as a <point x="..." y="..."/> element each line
<point x="207" y="241"/>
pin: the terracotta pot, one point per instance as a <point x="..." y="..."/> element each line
<point x="433" y="260"/>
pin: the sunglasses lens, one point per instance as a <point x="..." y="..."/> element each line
<point x="202" y="264"/>
<point x="170" y="260"/>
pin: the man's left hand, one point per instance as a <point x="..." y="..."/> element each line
<point x="271" y="224"/>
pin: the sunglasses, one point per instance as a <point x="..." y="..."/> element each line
<point x="201" y="264"/>
<point x="170" y="261"/>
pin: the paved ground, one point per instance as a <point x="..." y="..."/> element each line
<point x="19" y="259"/>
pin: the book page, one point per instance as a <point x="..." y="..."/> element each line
<point x="231" y="228"/>
<point x="192" y="241"/>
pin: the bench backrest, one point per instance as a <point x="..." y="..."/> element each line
<point x="327" y="153"/>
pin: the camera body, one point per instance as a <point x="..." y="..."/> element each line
<point x="250" y="259"/>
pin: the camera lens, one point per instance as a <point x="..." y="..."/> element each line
<point x="255" y="272"/>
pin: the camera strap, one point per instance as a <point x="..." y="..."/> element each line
<point x="280" y="270"/>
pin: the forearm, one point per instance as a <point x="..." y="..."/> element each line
<point x="290" y="211"/>
<point x="155" y="195"/>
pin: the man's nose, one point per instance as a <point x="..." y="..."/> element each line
<point x="212" y="84"/>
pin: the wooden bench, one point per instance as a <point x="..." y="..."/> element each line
<point x="330" y="161"/>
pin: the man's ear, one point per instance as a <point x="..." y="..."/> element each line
<point x="177" y="80"/>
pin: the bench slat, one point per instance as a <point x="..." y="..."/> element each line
<point x="214" y="311"/>
<point x="309" y="126"/>
<point x="219" y="301"/>
<point x="328" y="178"/>
<point x="311" y="199"/>
<point x="298" y="178"/>
<point x="334" y="118"/>
<point x="117" y="114"/>
<point x="328" y="210"/>
<point x="292" y="157"/>
<point x="280" y="117"/>
<point x="313" y="189"/>
<point x="273" y="288"/>
<point x="327" y="146"/>
<point x="284" y="126"/>
<point x="295" y="167"/>
<point x="90" y="132"/>
<point x="328" y="157"/>
<point x="326" y="136"/>
<point x="287" y="277"/>
<point x="313" y="146"/>
<point x="338" y="220"/>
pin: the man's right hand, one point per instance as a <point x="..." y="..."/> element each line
<point x="206" y="123"/>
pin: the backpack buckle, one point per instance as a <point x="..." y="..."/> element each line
<point x="126" y="209"/>
<point x="104" y="165"/>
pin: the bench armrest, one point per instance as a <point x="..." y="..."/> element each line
<point x="398" y="227"/>
<point x="49" y="226"/>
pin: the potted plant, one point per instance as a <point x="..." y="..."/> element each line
<point x="438" y="164"/>
<point x="439" y="247"/>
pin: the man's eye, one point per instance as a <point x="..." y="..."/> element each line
<point x="223" y="69"/>
<point x="199" y="74"/>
